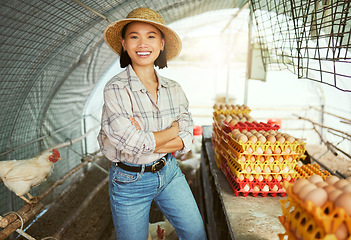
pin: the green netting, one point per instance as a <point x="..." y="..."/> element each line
<point x="51" y="56"/>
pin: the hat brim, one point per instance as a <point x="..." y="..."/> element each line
<point x="113" y="35"/>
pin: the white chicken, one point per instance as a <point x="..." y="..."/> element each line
<point x="21" y="175"/>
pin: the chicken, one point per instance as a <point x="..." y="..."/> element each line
<point x="21" y="175"/>
<point x="162" y="230"/>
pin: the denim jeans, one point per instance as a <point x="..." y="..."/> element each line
<point x="131" y="195"/>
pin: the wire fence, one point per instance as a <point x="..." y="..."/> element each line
<point x="310" y="38"/>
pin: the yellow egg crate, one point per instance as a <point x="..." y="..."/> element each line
<point x="309" y="220"/>
<point x="286" y="170"/>
<point x="231" y="111"/>
<point x="241" y="147"/>
<point x="305" y="171"/>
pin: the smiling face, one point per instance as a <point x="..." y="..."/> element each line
<point x="143" y="43"/>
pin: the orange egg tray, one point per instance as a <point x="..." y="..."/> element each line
<point x="305" y="171"/>
<point x="239" y="187"/>
<point x="326" y="218"/>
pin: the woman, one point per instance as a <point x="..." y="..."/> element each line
<point x="145" y="118"/>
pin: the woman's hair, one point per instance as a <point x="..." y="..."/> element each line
<point x="160" y="62"/>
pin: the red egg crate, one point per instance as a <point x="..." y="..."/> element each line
<point x="305" y="171"/>
<point x="240" y="186"/>
<point x="327" y="218"/>
<point x="254" y="126"/>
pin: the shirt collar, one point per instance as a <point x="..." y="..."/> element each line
<point x="135" y="83"/>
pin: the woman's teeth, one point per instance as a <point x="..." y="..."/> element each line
<point x="143" y="53"/>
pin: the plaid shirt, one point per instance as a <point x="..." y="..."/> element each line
<point x="124" y="97"/>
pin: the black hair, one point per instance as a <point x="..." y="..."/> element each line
<point x="160" y="62"/>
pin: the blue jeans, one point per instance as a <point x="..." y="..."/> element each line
<point x="131" y="195"/>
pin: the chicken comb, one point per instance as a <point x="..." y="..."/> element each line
<point x="56" y="152"/>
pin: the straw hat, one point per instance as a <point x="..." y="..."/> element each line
<point x="113" y="32"/>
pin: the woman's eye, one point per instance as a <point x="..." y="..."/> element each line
<point x="151" y="36"/>
<point x="134" y="37"/>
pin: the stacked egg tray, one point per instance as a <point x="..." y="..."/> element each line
<point x="231" y="111"/>
<point x="305" y="171"/>
<point x="310" y="221"/>
<point x="253" y="187"/>
<point x="229" y="153"/>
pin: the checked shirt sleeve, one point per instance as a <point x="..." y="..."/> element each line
<point x="185" y="123"/>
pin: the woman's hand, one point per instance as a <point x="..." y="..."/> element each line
<point x="134" y="122"/>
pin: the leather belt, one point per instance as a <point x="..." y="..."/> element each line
<point x="157" y="166"/>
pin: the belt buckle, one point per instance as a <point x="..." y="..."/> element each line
<point x="153" y="167"/>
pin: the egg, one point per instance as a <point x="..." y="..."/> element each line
<point x="256" y="188"/>
<point x="344" y="201"/>
<point x="287" y="150"/>
<point x="276" y="169"/>
<point x="271" y="159"/>
<point x="341" y="183"/>
<point x="318" y="196"/>
<point x="305" y="190"/>
<point x="241" y="177"/>
<point x="262" y="159"/>
<point x="251" y="178"/>
<point x="243" y="138"/>
<point x="322" y="184"/>
<point x="342" y="232"/>
<point x="260" y="178"/>
<point x="278" y="150"/>
<point x="268" y="151"/>
<point x="271" y="139"/>
<point x="329" y="188"/>
<point x="281" y="139"/>
<point x="252" y="159"/>
<point x="334" y="194"/>
<point x="347" y="188"/>
<point x="262" y="139"/>
<point x="249" y="150"/>
<point x="299" y="184"/>
<point x="253" y="139"/>
<point x="248" y="169"/>
<point x="246" y="187"/>
<point x="267" y="170"/>
<point x="290" y="139"/>
<point x="243" y="159"/>
<point x="315" y="179"/>
<point x="275" y="188"/>
<point x="332" y="179"/>
<point x="259" y="150"/>
<point x="265" y="188"/>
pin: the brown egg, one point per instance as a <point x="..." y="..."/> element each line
<point x="252" y="159"/>
<point x="329" y="188"/>
<point x="347" y="188"/>
<point x="315" y="179"/>
<point x="253" y="139"/>
<point x="275" y="188"/>
<point x="334" y="194"/>
<point x="318" y="196"/>
<point x="260" y="178"/>
<point x="341" y="183"/>
<point x="259" y="150"/>
<point x="262" y="159"/>
<point x="271" y="159"/>
<point x="262" y="139"/>
<point x="256" y="188"/>
<point x="271" y="139"/>
<point x="246" y="187"/>
<point x="342" y="232"/>
<point x="233" y="122"/>
<point x="278" y="150"/>
<point x="241" y="177"/>
<point x="265" y="188"/>
<point x="344" y="201"/>
<point x="251" y="178"/>
<point x="243" y="138"/>
<point x="243" y="159"/>
<point x="299" y="184"/>
<point x="281" y="139"/>
<point x="290" y="139"/>
<point x="268" y="151"/>
<point x="248" y="169"/>
<point x="276" y="169"/>
<point x="267" y="170"/>
<point x="305" y="190"/>
<point x="258" y="169"/>
<point x="332" y="179"/>
<point x="249" y="150"/>
<point x="322" y="184"/>
<point x="287" y="150"/>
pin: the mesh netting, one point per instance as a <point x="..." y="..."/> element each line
<point x="310" y="38"/>
<point x="52" y="54"/>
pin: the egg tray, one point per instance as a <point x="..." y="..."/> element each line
<point x="327" y="216"/>
<point x="305" y="171"/>
<point x="238" y="186"/>
<point x="216" y="112"/>
<point x="241" y="168"/>
<point x="241" y="147"/>
<point x="254" y="126"/>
